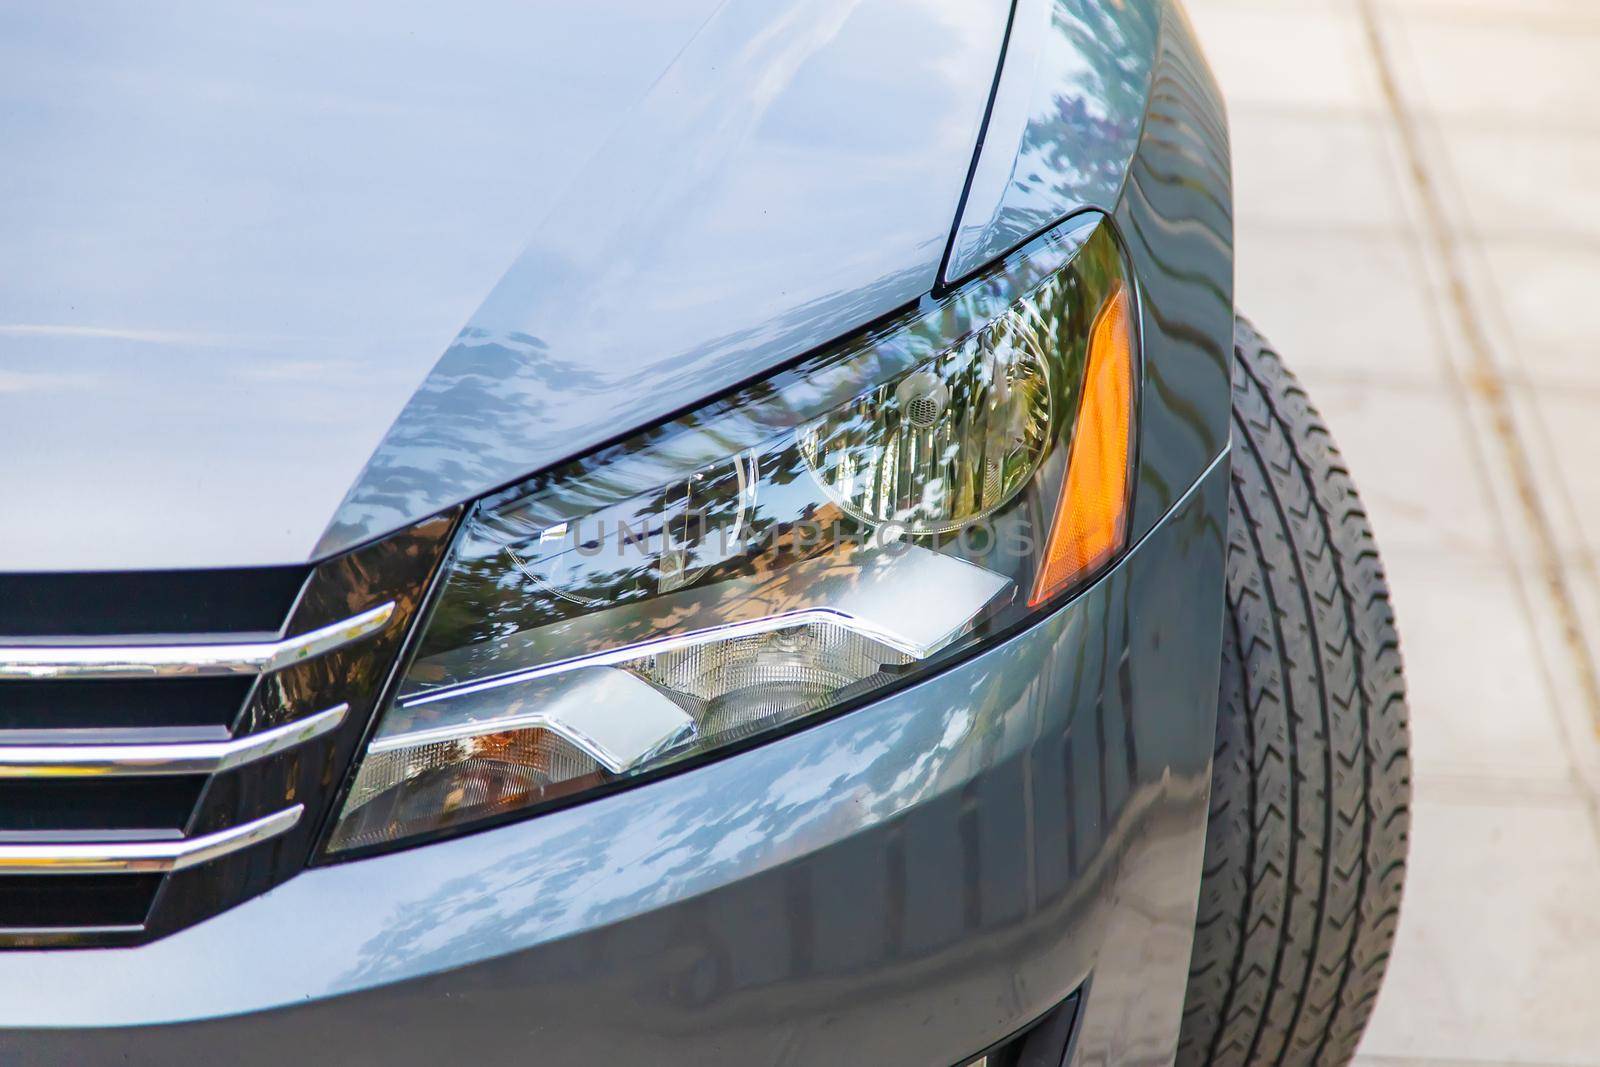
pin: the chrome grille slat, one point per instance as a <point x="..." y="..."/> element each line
<point x="51" y="933"/>
<point x="36" y="662"/>
<point x="129" y="758"/>
<point x="152" y="857"/>
<point x="170" y="742"/>
<point x="204" y="757"/>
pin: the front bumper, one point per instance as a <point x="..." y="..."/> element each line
<point x="905" y="884"/>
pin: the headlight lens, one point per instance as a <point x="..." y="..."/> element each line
<point x="945" y="445"/>
<point x="836" y="529"/>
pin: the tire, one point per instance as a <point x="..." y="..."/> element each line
<point x="1311" y="785"/>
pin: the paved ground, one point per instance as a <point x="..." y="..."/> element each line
<point x="1418" y="198"/>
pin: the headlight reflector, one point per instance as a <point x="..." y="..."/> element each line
<point x="805" y="542"/>
<point x="946" y="444"/>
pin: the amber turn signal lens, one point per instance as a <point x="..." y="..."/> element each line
<point x="1091" y="518"/>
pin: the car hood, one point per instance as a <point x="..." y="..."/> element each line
<point x="280" y="278"/>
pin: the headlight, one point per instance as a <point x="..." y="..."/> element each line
<point x="841" y="527"/>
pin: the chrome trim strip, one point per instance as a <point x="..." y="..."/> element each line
<point x="206" y="757"/>
<point x="674" y="642"/>
<point x="143" y="857"/>
<point x="39" y="936"/>
<point x="158" y="661"/>
<point x="908" y="598"/>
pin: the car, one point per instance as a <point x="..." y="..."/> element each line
<point x="727" y="532"/>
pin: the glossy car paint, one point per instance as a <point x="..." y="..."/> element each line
<point x="792" y="177"/>
<point x="1175" y="214"/>
<point x="1067" y="113"/>
<point x="1062" y="137"/>
<point x="237" y="241"/>
<point x="903" y="884"/>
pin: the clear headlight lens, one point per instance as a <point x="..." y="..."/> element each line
<point x="948" y="444"/>
<point x="838" y="528"/>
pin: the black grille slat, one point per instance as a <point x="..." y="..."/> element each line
<point x="75" y="900"/>
<point x="111" y="804"/>
<point x="141" y="703"/>
<point x="147" y="602"/>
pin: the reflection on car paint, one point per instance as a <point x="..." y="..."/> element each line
<point x="770" y="219"/>
<point x="1065" y="122"/>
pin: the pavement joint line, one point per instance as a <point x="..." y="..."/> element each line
<point x="1481" y="788"/>
<point x="1481" y="379"/>
<point x="1268" y="227"/>
<point x="1478" y="16"/>
<point x="1567" y="241"/>
<point x="1364" y="1060"/>
<point x="1417" y="381"/>
<point x="1507" y="124"/>
<point x="1462" y="12"/>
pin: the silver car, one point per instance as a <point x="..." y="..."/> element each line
<point x="719" y="532"/>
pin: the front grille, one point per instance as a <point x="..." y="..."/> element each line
<point x="154" y="772"/>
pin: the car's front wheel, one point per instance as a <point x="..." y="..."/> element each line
<point x="1306" y="846"/>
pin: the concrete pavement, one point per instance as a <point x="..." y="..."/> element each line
<point x="1419" y="232"/>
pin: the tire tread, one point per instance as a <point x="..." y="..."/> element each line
<point x="1309" y="821"/>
